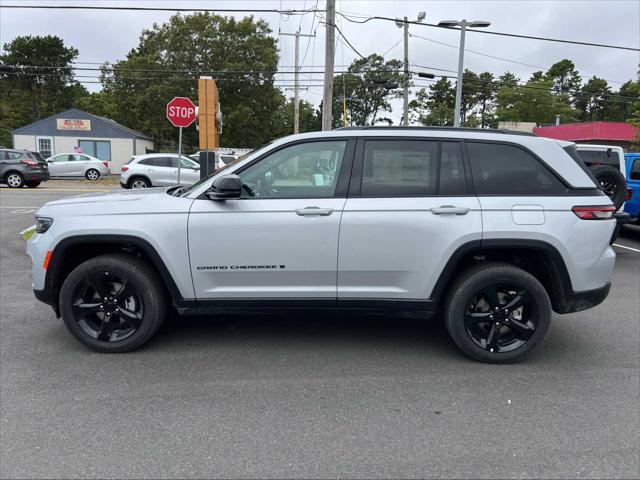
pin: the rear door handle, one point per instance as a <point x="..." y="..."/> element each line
<point x="323" y="212"/>
<point x="450" y="209"/>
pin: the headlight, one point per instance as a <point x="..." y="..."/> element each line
<point x="43" y="224"/>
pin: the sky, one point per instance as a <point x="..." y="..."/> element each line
<point x="107" y="35"/>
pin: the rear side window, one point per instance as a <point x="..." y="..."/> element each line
<point x="399" y="168"/>
<point x="500" y="169"/>
<point x="158" y="162"/>
<point x="634" y="174"/>
<point x="600" y="157"/>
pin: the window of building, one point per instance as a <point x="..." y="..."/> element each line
<point x="500" y="169"/>
<point x="96" y="148"/>
<point x="44" y="147"/>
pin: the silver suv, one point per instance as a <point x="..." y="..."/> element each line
<point x="495" y="230"/>
<point x="158" y="170"/>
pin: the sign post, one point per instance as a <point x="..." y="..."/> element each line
<point x="181" y="112"/>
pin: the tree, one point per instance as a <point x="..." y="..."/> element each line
<point x="436" y="106"/>
<point x="310" y="118"/>
<point x="240" y="54"/>
<point x="532" y="102"/>
<point x="620" y="107"/>
<point x="486" y="95"/>
<point x="635" y="115"/>
<point x="369" y="84"/>
<point x="594" y="99"/>
<point x="36" y="80"/>
<point x="564" y="77"/>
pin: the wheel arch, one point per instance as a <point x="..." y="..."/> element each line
<point x="72" y="251"/>
<point x="538" y="257"/>
<point x="9" y="172"/>
<point x="138" y="175"/>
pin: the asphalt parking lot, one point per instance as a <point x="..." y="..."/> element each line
<point x="317" y="395"/>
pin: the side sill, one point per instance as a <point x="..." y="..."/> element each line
<point x="219" y="306"/>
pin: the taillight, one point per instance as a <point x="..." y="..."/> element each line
<point x="125" y="168"/>
<point x="595" y="213"/>
<point x="30" y="163"/>
<point x="106" y="164"/>
<point x="628" y="195"/>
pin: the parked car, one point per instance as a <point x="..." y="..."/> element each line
<point x="608" y="166"/>
<point x="632" y="205"/>
<point x="485" y="226"/>
<point x="22" y="167"/>
<point x="222" y="159"/>
<point x="77" y="165"/>
<point x="158" y="169"/>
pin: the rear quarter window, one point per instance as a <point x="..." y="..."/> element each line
<point x="508" y="170"/>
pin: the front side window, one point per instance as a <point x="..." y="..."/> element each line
<point x="307" y="170"/>
<point x="500" y="169"/>
<point x="399" y="168"/>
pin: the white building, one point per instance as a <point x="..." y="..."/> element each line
<point x="74" y="130"/>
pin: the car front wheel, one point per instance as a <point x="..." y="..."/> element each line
<point x="497" y="313"/>
<point x="113" y="303"/>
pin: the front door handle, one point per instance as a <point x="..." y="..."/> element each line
<point x="323" y="212"/>
<point x="450" y="209"/>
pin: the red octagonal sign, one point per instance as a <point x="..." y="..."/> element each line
<point x="181" y="112"/>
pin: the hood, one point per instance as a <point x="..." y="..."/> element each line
<point x="113" y="196"/>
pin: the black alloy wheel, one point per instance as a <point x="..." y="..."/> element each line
<point x="497" y="312"/>
<point x="501" y="318"/>
<point x="108" y="307"/>
<point x="113" y="303"/>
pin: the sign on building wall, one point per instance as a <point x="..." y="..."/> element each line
<point x="73" y="124"/>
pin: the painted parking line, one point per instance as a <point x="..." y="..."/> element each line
<point x="626" y="248"/>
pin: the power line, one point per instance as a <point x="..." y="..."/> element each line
<point x="491" y="32"/>
<point x="492" y="56"/>
<point x="164" y="9"/>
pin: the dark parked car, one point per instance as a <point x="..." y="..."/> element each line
<point x="22" y="167"/>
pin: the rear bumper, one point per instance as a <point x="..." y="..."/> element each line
<point x="578" y="301"/>
<point x="35" y="176"/>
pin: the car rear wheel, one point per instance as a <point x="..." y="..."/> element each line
<point x="92" y="174"/>
<point x="32" y="184"/>
<point x="139" y="182"/>
<point x="497" y="313"/>
<point x="113" y="303"/>
<point x="14" y="180"/>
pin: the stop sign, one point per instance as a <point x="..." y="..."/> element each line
<point x="181" y="112"/>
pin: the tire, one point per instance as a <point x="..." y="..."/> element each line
<point x="472" y="313"/>
<point x="92" y="174"/>
<point x="130" y="285"/>
<point x="139" y="182"/>
<point x="14" y="180"/>
<point x="612" y="182"/>
<point x="32" y="184"/>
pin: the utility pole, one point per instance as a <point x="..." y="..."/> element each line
<point x="329" y="54"/>
<point x="296" y="84"/>
<point x="405" y="115"/>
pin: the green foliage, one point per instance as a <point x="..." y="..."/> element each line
<point x="533" y="102"/>
<point x="435" y="107"/>
<point x="310" y="118"/>
<point x="367" y="86"/>
<point x="36" y="80"/>
<point x="200" y="42"/>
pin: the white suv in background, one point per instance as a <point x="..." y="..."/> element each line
<point x="495" y="230"/>
<point x="158" y="170"/>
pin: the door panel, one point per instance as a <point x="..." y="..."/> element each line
<point x="256" y="248"/>
<point x="397" y="247"/>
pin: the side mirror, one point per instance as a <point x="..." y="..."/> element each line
<point x="225" y="187"/>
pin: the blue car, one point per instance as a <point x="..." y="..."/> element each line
<point x="632" y="206"/>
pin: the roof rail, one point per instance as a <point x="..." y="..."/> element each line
<point x="446" y="129"/>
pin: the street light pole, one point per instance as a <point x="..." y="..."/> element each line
<point x="405" y="115"/>
<point x="463" y="24"/>
<point x="456" y="121"/>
